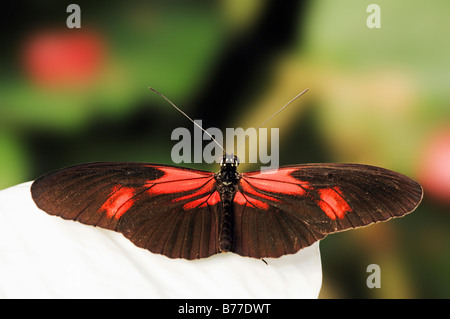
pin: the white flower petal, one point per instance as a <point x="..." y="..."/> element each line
<point x="43" y="256"/>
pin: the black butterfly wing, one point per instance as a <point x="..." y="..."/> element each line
<point x="176" y="212"/>
<point x="281" y="211"/>
<point x="167" y="210"/>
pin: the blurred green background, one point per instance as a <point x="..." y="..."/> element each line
<point x="377" y="96"/>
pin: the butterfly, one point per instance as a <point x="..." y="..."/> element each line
<point x="186" y="213"/>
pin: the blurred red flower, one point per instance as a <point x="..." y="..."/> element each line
<point x="63" y="58"/>
<point x="434" y="170"/>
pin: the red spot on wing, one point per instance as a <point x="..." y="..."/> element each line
<point x="277" y="181"/>
<point x="119" y="201"/>
<point x="332" y="203"/>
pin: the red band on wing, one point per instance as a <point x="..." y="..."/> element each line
<point x="332" y="203"/>
<point x="176" y="174"/>
<point x="201" y="202"/>
<point x="278" y="181"/>
<point x="210" y="199"/>
<point x="205" y="188"/>
<point x="241" y="199"/>
<point x="247" y="188"/>
<point x="176" y="181"/>
<point x="119" y="202"/>
<point x="214" y="199"/>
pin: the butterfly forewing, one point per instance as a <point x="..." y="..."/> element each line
<point x="167" y="210"/>
<point x="280" y="211"/>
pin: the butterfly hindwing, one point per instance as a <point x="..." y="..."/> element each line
<point x="165" y="209"/>
<point x="280" y="211"/>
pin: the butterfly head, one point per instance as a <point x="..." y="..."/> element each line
<point x="229" y="160"/>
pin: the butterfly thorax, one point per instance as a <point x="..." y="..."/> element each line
<point x="228" y="177"/>
<point x="227" y="180"/>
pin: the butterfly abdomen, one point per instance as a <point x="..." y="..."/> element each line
<point x="226" y="227"/>
<point x="227" y="179"/>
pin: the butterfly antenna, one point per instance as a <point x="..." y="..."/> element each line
<point x="273" y="115"/>
<point x="195" y="123"/>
